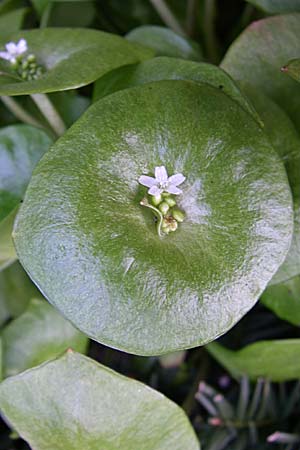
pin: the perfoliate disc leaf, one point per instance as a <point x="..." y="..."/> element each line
<point x="81" y="404"/>
<point x="71" y="58"/>
<point x="94" y="251"/>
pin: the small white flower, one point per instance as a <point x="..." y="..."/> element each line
<point x="14" y="50"/>
<point x="162" y="183"/>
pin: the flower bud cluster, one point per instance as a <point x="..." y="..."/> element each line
<point x="27" y="67"/>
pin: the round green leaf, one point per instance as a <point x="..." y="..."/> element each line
<point x="276" y="6"/>
<point x="39" y="334"/>
<point x="286" y="141"/>
<point x="94" y="252"/>
<point x="115" y="412"/>
<point x="258" y="55"/>
<point x="284" y="300"/>
<point x="275" y="360"/>
<point x="165" y="42"/>
<point x="163" y="68"/>
<point x="72" y="57"/>
<point x="16" y="290"/>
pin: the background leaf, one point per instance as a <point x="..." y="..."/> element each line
<point x="39" y="334"/>
<point x="115" y="412"/>
<point x="284" y="300"/>
<point x="276" y="6"/>
<point x="164" y="68"/>
<point x="292" y="68"/>
<point x="95" y="253"/>
<point x="165" y="42"/>
<point x="12" y="21"/>
<point x="258" y="54"/>
<point x="72" y="58"/>
<point x="275" y="360"/>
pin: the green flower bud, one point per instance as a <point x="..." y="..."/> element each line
<point x="171" y="201"/>
<point x="156" y="199"/>
<point x="30" y="58"/>
<point x="25" y="64"/>
<point x="178" y="215"/>
<point x="165" y="194"/>
<point x="164" y="208"/>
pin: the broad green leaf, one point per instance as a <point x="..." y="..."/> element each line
<point x="72" y="57"/>
<point x="7" y="248"/>
<point x="81" y="404"/>
<point x="69" y="13"/>
<point x="292" y="68"/>
<point x="276" y="6"/>
<point x="258" y="55"/>
<point x="16" y="289"/>
<point x="38" y="335"/>
<point x="165" y="42"/>
<point x="284" y="300"/>
<point x="12" y="21"/>
<point x="10" y="5"/>
<point x="41" y="5"/>
<point x="21" y="146"/>
<point x="275" y="360"/>
<point x="95" y="253"/>
<point x="164" y="68"/>
<point x="286" y="141"/>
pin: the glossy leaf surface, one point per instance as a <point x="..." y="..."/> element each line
<point x="71" y="57"/>
<point x="164" y="68"/>
<point x="95" y="253"/>
<point x="286" y="141"/>
<point x="275" y="360"/>
<point x="165" y="42"/>
<point x="115" y="412"/>
<point x="38" y="335"/>
<point x="258" y="54"/>
<point x="276" y="6"/>
<point x="284" y="300"/>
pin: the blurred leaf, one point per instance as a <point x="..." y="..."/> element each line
<point x="16" y="289"/>
<point x="286" y="141"/>
<point x="7" y="249"/>
<point x="10" y="5"/>
<point x="12" y="21"/>
<point x="38" y="335"/>
<point x="276" y="6"/>
<point x="275" y="360"/>
<point x="72" y="58"/>
<point x="166" y="42"/>
<point x="100" y="260"/>
<point x="258" y="54"/>
<point x="69" y="13"/>
<point x="83" y="405"/>
<point x="292" y="68"/>
<point x="21" y="146"/>
<point x="164" y="68"/>
<point x="284" y="300"/>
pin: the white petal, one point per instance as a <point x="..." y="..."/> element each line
<point x="147" y="181"/>
<point x="161" y="174"/>
<point x="155" y="190"/>
<point x="5" y="55"/>
<point x="173" y="190"/>
<point x="176" y="179"/>
<point x="11" y="48"/>
<point x="22" y="46"/>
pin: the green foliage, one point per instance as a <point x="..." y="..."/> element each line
<point x="82" y="404"/>
<point x="134" y="290"/>
<point x="71" y="58"/>
<point x="38" y="335"/>
<point x="277" y="6"/>
<point x="12" y="21"/>
<point x="292" y="68"/>
<point x="276" y="360"/>
<point x="165" y="42"/>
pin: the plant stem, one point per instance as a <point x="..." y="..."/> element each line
<point x="190" y="20"/>
<point x="212" y="46"/>
<point x="19" y="111"/>
<point x="49" y="112"/>
<point x="167" y="16"/>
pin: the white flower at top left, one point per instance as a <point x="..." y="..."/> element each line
<point x="13" y="51"/>
<point x="162" y="183"/>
